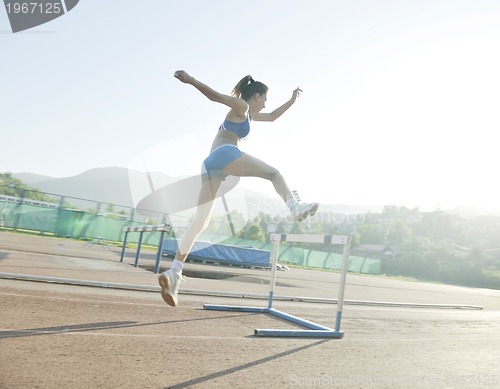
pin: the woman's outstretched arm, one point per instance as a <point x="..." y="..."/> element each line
<point x="272" y="116"/>
<point x="232" y="102"/>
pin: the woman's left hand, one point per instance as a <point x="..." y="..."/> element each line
<point x="296" y="93"/>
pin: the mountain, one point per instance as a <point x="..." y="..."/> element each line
<point x="32" y="179"/>
<point x="107" y="185"/>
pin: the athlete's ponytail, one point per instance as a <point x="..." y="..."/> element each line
<point x="247" y="87"/>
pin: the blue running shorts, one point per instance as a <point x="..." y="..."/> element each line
<point x="214" y="164"/>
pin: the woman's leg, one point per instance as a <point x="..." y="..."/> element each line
<point x="170" y="279"/>
<point x="206" y="203"/>
<point x="248" y="166"/>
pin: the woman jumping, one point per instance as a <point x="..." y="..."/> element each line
<point x="246" y="101"/>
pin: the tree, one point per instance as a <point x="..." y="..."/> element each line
<point x="371" y="233"/>
<point x="397" y="232"/>
<point x="11" y="186"/>
<point x="253" y="231"/>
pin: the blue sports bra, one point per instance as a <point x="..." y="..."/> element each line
<point x="240" y="129"/>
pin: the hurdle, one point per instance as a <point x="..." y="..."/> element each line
<point x="313" y="329"/>
<point x="142" y="229"/>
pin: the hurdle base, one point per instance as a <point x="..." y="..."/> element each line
<point x="300" y="333"/>
<point x="234" y="308"/>
<point x="314" y="330"/>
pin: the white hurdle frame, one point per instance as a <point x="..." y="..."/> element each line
<point x="142" y="229"/>
<point x="313" y="329"/>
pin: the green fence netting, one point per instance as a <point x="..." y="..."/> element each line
<point x="80" y="224"/>
<point x="71" y="223"/>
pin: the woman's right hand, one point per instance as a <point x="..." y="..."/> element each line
<point x="183" y="76"/>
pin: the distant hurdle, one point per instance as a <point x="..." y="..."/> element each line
<point x="162" y="228"/>
<point x="314" y="329"/>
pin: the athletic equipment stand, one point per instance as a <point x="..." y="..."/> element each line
<point x="142" y="229"/>
<point x="314" y="329"/>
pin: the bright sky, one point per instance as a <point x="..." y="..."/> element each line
<point x="400" y="103"/>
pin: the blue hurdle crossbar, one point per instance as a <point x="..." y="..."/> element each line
<point x="313" y="329"/>
<point x="142" y="229"/>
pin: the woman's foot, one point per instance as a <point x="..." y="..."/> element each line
<point x="300" y="211"/>
<point x="169" y="282"/>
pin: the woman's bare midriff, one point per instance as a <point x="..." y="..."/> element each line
<point x="224" y="137"/>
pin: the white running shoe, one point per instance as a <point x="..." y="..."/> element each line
<point x="301" y="211"/>
<point x="169" y="282"/>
